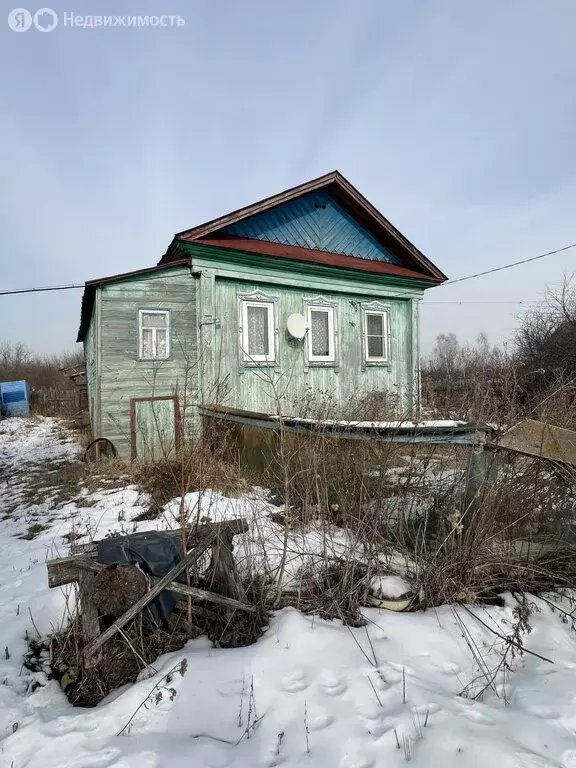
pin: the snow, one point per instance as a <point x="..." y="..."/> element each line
<point x="309" y="692"/>
<point x="390" y="586"/>
<point x="433" y="424"/>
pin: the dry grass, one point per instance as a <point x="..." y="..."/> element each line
<point x="195" y="469"/>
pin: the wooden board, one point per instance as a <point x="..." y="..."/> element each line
<point x="535" y="438"/>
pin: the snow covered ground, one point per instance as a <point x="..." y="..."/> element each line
<point x="310" y="692"/>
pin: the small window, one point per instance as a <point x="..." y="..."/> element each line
<point x="321" y="342"/>
<point x="154" y="332"/>
<point x="376" y="347"/>
<point x="257" y="337"/>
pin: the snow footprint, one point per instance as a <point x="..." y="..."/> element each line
<point x="295" y="682"/>
<point x="64" y="725"/>
<point x="332" y="685"/>
<point x="234" y="687"/>
<point x="318" y="718"/>
<point x="376" y="727"/>
<point x="476" y="716"/>
<point x="274" y="754"/>
<point x="104" y="759"/>
<point x="542" y="711"/>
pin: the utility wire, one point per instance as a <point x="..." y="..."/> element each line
<point x="517" y="301"/>
<point x="448" y="282"/>
<point x="509" y="266"/>
<point x="39" y="290"/>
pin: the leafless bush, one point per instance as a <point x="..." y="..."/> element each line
<point x="534" y="378"/>
<point x="474" y="381"/>
<point x="19" y="362"/>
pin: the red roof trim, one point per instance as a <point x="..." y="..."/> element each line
<point x="317" y="257"/>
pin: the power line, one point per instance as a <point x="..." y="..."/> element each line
<point x="39" y="290"/>
<point x="448" y="282"/>
<point x="509" y="266"/>
<point x="527" y="301"/>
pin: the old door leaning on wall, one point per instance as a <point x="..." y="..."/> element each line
<point x="154" y="427"/>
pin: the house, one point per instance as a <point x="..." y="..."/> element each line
<point x="311" y="290"/>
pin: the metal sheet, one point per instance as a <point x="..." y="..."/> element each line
<point x="535" y="438"/>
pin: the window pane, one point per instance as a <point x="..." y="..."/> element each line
<point x="258" y="341"/>
<point x="154" y="320"/>
<point x="374" y="325"/>
<point x="320" y="333"/>
<point x="375" y="346"/>
<point x="161" y="344"/>
<point x="147" y="344"/>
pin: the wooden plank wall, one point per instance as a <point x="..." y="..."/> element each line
<point x="347" y="382"/>
<point x="123" y="376"/>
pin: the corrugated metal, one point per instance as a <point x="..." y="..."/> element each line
<point x="313" y="221"/>
<point x="407" y="432"/>
<point x="15" y="397"/>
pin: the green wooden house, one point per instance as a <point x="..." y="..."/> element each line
<point x="308" y="292"/>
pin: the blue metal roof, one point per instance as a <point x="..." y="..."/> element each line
<point x="314" y="220"/>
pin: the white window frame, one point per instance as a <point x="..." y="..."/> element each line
<point x="269" y="305"/>
<point x="384" y="313"/>
<point x="142" y="328"/>
<point x="331" y="356"/>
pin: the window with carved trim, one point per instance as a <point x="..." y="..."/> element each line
<point x="376" y="336"/>
<point x="321" y="334"/>
<point x="153" y="334"/>
<point x="258" y="332"/>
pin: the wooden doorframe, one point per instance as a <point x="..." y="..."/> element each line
<point x="177" y="421"/>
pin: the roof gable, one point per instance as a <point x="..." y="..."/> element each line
<point x="315" y="221"/>
<point x="358" y="225"/>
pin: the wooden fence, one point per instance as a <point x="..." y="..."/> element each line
<point x="56" y="401"/>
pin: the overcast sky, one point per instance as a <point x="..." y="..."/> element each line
<point x="456" y="118"/>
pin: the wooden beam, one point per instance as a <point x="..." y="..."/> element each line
<point x="66" y="570"/>
<point x="90" y="621"/>
<point x="209" y="597"/>
<point x="192" y="557"/>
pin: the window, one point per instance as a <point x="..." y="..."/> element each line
<point x="321" y="342"/>
<point x="376" y="336"/>
<point x="257" y="338"/>
<point x="154" y="334"/>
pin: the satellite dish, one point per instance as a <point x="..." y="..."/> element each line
<point x="296" y="326"/>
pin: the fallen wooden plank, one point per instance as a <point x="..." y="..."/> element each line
<point x="192" y="557"/>
<point x="209" y="597"/>
<point x="65" y="570"/>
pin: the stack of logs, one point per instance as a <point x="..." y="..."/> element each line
<point x="124" y="591"/>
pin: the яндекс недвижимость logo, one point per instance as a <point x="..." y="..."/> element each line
<point x="21" y="20"/>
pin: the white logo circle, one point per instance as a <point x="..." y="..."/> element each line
<point x="19" y="20"/>
<point x="45" y="20"/>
